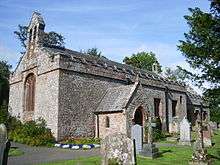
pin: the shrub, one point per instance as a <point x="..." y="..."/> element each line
<point x="32" y="133"/>
<point x="3" y="114"/>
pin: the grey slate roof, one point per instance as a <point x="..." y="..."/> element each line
<point x="106" y="63"/>
<point x="116" y="99"/>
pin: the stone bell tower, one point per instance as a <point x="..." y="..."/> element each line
<point x="35" y="32"/>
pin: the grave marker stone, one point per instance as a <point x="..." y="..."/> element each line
<point x="137" y="134"/>
<point x="185" y="133"/>
<point x="118" y="148"/>
<point x="4" y="145"/>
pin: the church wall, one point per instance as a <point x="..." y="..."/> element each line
<point x="15" y="99"/>
<point x="181" y="110"/>
<point x="117" y="123"/>
<point x="47" y="94"/>
<point x="79" y="97"/>
<point x="145" y="98"/>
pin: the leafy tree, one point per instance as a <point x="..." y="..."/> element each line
<point x="202" y="51"/>
<point x="22" y="34"/>
<point x="49" y="39"/>
<point x="202" y="45"/>
<point x="93" y="52"/>
<point x="53" y="39"/>
<point x="175" y="74"/>
<point x="4" y="84"/>
<point x="212" y="96"/>
<point x="143" y="60"/>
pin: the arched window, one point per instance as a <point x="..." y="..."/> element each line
<point x="107" y="122"/>
<point x="30" y="35"/>
<point x="29" y="94"/>
<point x="35" y="32"/>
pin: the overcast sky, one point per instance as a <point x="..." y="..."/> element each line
<point x="118" y="28"/>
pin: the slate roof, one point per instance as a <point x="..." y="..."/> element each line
<point x="117" y="98"/>
<point x="106" y="63"/>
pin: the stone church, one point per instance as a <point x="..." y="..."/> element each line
<point x="84" y="96"/>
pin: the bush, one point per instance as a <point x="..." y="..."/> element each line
<point x="32" y="133"/>
<point x="3" y="114"/>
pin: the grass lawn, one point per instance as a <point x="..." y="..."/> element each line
<point x="15" y="152"/>
<point x="176" y="155"/>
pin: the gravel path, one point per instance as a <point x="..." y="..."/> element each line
<point x="36" y="155"/>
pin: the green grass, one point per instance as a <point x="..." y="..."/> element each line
<point x="15" y="152"/>
<point x="168" y="155"/>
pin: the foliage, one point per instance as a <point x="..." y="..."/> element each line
<point x="4" y="84"/>
<point x="15" y="152"/>
<point x="94" y="52"/>
<point x="22" y="34"/>
<point x="143" y="60"/>
<point x="212" y="96"/>
<point x="202" y="45"/>
<point x="33" y="133"/>
<point x="113" y="161"/>
<point x="50" y="39"/>
<point x="175" y="74"/>
<point x="81" y="141"/>
<point x="53" y="39"/>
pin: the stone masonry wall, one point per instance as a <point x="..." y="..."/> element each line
<point x="117" y="123"/>
<point x="79" y="97"/>
<point x="181" y="108"/>
<point x="145" y="98"/>
<point x="46" y="89"/>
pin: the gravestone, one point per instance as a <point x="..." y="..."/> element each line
<point x="118" y="148"/>
<point x="137" y="135"/>
<point x="207" y="135"/>
<point x="4" y="145"/>
<point x="149" y="149"/>
<point x="199" y="156"/>
<point x="213" y="125"/>
<point x="174" y="126"/>
<point x="185" y="133"/>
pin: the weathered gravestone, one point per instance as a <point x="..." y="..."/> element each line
<point x="117" y="148"/>
<point x="174" y="126"/>
<point x="199" y="156"/>
<point x="185" y="133"/>
<point x="207" y="135"/>
<point x="213" y="125"/>
<point x="137" y="135"/>
<point x="4" y="145"/>
<point x="149" y="149"/>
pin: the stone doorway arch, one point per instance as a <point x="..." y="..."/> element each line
<point x="137" y="128"/>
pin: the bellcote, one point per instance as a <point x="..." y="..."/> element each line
<point x="35" y="31"/>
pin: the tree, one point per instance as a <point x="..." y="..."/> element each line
<point x="212" y="96"/>
<point x="202" y="45"/>
<point x="175" y="74"/>
<point x="93" y="52"/>
<point x="53" y="39"/>
<point x="202" y="51"/>
<point x="143" y="60"/>
<point x="4" y="83"/>
<point x="49" y="39"/>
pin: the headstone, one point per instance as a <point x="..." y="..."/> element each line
<point x="199" y="156"/>
<point x="4" y="145"/>
<point x="213" y="125"/>
<point x="137" y="135"/>
<point x="185" y="133"/>
<point x="207" y="135"/>
<point x="149" y="149"/>
<point x="174" y="126"/>
<point x="117" y="148"/>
